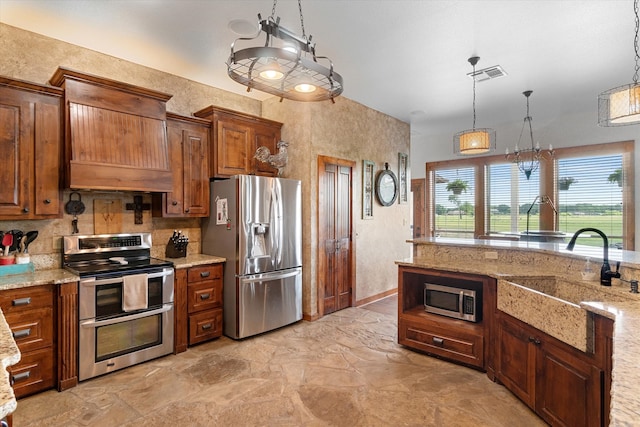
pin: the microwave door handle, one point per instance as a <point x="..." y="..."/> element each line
<point x="460" y="304"/>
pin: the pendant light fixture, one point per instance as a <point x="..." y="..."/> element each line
<point x="621" y="106"/>
<point x="528" y="159"/>
<point x="286" y="65"/>
<point x="474" y="141"/>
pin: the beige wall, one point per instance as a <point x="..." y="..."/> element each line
<point x="345" y="130"/>
<point x="349" y="131"/>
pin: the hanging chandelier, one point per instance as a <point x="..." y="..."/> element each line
<point x="474" y="141"/>
<point x="528" y="159"/>
<point x="286" y="65"/>
<point x="621" y="106"/>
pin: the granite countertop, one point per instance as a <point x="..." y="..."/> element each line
<point x="41" y="277"/>
<point x="195" y="259"/>
<point x="625" y="389"/>
<point x="9" y="355"/>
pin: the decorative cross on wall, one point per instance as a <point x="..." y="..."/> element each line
<point x="138" y="207"/>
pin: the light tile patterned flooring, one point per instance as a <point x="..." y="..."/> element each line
<point x="345" y="369"/>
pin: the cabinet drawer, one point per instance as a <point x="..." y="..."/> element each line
<point x="19" y="300"/>
<point x="206" y="272"/>
<point x="204" y="295"/>
<point x="205" y="326"/>
<point x="461" y="347"/>
<point x="32" y="329"/>
<point x="34" y="373"/>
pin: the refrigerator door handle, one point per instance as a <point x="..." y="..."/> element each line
<point x="270" y="276"/>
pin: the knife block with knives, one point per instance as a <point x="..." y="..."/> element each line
<point x="177" y="245"/>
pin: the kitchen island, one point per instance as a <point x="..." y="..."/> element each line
<point x="504" y="259"/>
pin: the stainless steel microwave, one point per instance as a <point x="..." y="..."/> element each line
<point x="460" y="303"/>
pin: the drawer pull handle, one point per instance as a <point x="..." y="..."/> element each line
<point x="534" y="340"/>
<point x="205" y="296"/>
<point x="22" y="333"/>
<point x="206" y="327"/>
<point x="438" y="341"/>
<point x="19" y="377"/>
<point x="205" y="274"/>
<point x="21" y="301"/>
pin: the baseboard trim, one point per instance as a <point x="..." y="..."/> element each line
<point x="310" y="317"/>
<point x="376" y="297"/>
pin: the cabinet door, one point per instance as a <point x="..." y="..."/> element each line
<point x="47" y="157"/>
<point x="16" y="137"/>
<point x="173" y="202"/>
<point x="30" y="143"/>
<point x="234" y="148"/>
<point x="265" y="136"/>
<point x="189" y="153"/>
<point x="569" y="390"/>
<point x="195" y="150"/>
<point x="515" y="359"/>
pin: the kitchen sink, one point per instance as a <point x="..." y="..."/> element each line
<point x="538" y="305"/>
<point x="551" y="304"/>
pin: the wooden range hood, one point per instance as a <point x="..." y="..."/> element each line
<point x="115" y="134"/>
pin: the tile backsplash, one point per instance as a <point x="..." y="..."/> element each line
<point x="46" y="250"/>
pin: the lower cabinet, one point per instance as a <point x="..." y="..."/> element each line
<point x="198" y="305"/>
<point x="453" y="339"/>
<point x="561" y="384"/>
<point x="204" y="302"/>
<point x="30" y="315"/>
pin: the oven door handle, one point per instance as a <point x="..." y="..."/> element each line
<point x="120" y="319"/>
<point x="90" y="281"/>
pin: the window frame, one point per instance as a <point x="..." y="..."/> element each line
<point x="548" y="185"/>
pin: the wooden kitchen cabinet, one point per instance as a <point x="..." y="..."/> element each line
<point x="235" y="139"/>
<point x="188" y="140"/>
<point x="444" y="337"/>
<point x="563" y="385"/>
<point x="30" y="146"/>
<point x="204" y="302"/>
<point x="30" y="315"/>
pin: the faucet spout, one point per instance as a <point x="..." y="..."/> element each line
<point x="605" y="271"/>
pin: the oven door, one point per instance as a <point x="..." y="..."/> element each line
<point x="111" y="344"/>
<point x="101" y="298"/>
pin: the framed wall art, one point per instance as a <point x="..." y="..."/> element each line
<point x="403" y="196"/>
<point x="367" y="189"/>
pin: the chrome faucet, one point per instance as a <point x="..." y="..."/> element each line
<point x="605" y="271"/>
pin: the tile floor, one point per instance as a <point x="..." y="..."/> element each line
<point x="345" y="369"/>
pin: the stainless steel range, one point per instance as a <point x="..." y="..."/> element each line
<point x="125" y="301"/>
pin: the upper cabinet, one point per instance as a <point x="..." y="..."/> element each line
<point x="235" y="139"/>
<point x="115" y="134"/>
<point x="30" y="142"/>
<point x="188" y="139"/>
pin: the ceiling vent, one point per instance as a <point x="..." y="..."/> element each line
<point x="488" y="73"/>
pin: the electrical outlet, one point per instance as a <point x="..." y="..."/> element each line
<point x="491" y="255"/>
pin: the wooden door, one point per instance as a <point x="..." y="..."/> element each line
<point x="419" y="211"/>
<point x="335" y="251"/>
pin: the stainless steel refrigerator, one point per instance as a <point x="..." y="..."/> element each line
<point x="256" y="224"/>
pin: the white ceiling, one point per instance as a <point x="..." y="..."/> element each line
<point x="405" y="58"/>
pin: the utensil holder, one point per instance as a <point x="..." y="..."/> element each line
<point x="175" y="252"/>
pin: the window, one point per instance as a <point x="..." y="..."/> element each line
<point x="580" y="187"/>
<point x="590" y="195"/>
<point x="454" y="203"/>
